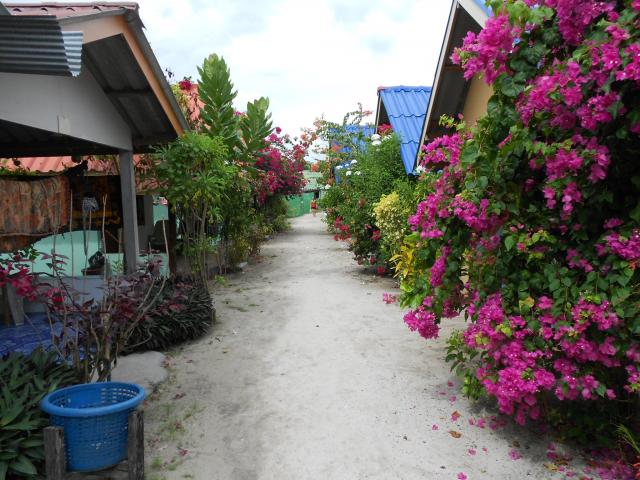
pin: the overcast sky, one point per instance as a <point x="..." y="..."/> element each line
<point x="310" y="57"/>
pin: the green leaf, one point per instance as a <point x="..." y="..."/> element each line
<point x="469" y="154"/>
<point x="510" y="87"/>
<point x="11" y="414"/>
<point x="635" y="213"/>
<point x="23" y="465"/>
<point x="509" y="242"/>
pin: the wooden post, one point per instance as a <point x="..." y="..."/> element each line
<point x="55" y="459"/>
<point x="136" y="445"/>
<point x="129" y="211"/>
<point x="148" y="221"/>
<point x="172" y="236"/>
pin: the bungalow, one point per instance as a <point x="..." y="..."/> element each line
<point x="452" y="94"/>
<point x="120" y="102"/>
<point x="115" y="101"/>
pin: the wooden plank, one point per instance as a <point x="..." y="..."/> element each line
<point x="136" y="445"/>
<point x="55" y="461"/>
<point x="119" y="472"/>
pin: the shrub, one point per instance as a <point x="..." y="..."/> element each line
<point x="537" y="210"/>
<point x="374" y="171"/>
<point x="24" y="381"/>
<point x="391" y="213"/>
<point x="183" y="312"/>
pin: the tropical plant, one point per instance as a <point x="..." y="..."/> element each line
<point x="183" y="312"/>
<point x="193" y="173"/>
<point x="24" y="381"/>
<point x="244" y="134"/>
<point x="88" y="333"/>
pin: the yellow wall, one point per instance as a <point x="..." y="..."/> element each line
<point x="475" y="105"/>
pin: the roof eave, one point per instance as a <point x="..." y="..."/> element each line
<point x="135" y="22"/>
<point x="476" y="12"/>
<point x="480" y="16"/>
<point x="379" y="109"/>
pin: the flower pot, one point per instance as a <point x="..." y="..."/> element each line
<point x="94" y="417"/>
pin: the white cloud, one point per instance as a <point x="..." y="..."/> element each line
<point x="309" y="57"/>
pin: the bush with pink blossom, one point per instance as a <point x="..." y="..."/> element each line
<point x="531" y="223"/>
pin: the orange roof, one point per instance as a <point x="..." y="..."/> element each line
<point x="58" y="164"/>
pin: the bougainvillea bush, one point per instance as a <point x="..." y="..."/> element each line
<point x="281" y="165"/>
<point x="532" y="221"/>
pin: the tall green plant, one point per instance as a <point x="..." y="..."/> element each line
<point x="244" y="134"/>
<point x="217" y="94"/>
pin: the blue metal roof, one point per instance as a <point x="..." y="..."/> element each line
<point x="406" y="108"/>
<point x="483" y="6"/>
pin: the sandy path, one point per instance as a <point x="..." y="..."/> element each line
<point x="309" y="375"/>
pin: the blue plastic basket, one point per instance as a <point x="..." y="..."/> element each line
<point x="95" y="419"/>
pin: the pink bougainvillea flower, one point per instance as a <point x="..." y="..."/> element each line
<point x="455" y="416"/>
<point x="434" y="427"/>
<point x="462" y="476"/>
<point x="613" y="223"/>
<point x="423" y="321"/>
<point x="389" y="298"/>
<point x="471" y="451"/>
<point x="514" y="454"/>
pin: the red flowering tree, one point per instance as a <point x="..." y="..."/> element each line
<point x="282" y="164"/>
<point x="532" y="221"/>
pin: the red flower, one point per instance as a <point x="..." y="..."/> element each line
<point x="185" y="85"/>
<point x="384" y="129"/>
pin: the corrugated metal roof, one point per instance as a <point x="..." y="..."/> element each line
<point x="116" y="69"/>
<point x="59" y="164"/>
<point x="406" y="108"/>
<point x="37" y="45"/>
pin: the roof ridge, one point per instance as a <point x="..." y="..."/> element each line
<point x="71" y="4"/>
<point x="405" y="87"/>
